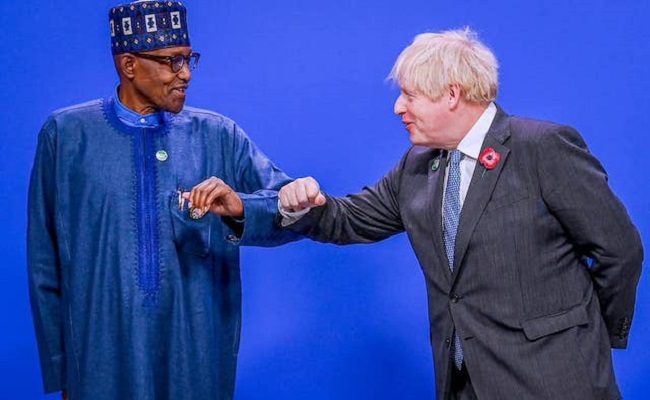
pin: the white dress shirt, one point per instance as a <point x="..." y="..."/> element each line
<point x="470" y="147"/>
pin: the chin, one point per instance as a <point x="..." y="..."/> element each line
<point x="416" y="141"/>
<point x="424" y="143"/>
<point x="175" y="108"/>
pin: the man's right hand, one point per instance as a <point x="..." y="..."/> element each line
<point x="301" y="194"/>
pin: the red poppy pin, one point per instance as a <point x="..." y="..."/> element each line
<point x="489" y="158"/>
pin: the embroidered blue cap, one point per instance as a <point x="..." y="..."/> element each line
<point x="147" y="25"/>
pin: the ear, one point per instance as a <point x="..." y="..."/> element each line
<point x="126" y="65"/>
<point x="453" y="96"/>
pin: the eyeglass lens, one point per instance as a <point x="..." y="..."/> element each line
<point x="179" y="61"/>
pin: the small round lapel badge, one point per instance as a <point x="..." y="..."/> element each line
<point x="161" y="155"/>
<point x="435" y="164"/>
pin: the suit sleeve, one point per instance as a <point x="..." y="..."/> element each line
<point x="258" y="183"/>
<point x="43" y="262"/>
<point x="575" y="189"/>
<point x="365" y="217"/>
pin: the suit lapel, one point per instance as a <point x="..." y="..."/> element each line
<point x="481" y="187"/>
<point x="436" y="179"/>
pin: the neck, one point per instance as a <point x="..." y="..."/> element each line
<point x="467" y="115"/>
<point x="129" y="97"/>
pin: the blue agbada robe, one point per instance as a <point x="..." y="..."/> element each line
<point x="131" y="298"/>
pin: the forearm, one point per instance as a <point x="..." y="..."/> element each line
<point x="615" y="273"/>
<point x="260" y="227"/>
<point x="348" y="220"/>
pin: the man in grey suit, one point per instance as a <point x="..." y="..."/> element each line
<point x="531" y="262"/>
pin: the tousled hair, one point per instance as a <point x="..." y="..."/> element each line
<point x="434" y="61"/>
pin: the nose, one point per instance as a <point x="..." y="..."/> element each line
<point x="399" y="108"/>
<point x="185" y="73"/>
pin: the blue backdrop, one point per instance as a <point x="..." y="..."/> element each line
<point x="306" y="80"/>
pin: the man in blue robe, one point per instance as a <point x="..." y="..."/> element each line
<point x="136" y="293"/>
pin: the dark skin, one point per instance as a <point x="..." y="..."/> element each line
<point x="216" y="196"/>
<point x="148" y="86"/>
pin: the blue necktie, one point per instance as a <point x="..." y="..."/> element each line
<point x="450" y="218"/>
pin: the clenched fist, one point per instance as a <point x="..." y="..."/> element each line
<point x="301" y="194"/>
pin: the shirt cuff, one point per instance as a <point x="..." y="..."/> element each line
<point x="290" y="217"/>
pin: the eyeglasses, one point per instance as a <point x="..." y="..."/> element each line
<point x="176" y="62"/>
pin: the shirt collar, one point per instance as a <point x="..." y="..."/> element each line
<point x="472" y="142"/>
<point x="132" y="118"/>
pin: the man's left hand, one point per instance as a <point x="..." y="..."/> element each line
<point x="216" y="196"/>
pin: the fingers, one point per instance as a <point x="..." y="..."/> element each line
<point x="288" y="198"/>
<point x="312" y="190"/>
<point x="203" y="195"/>
<point x="217" y="193"/>
<point x="300" y="194"/>
<point x="203" y="190"/>
<point x="282" y="196"/>
<point x="320" y="200"/>
<point x="216" y="196"/>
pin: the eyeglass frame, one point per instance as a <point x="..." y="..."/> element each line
<point x="169" y="60"/>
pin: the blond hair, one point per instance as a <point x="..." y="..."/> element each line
<point x="434" y="61"/>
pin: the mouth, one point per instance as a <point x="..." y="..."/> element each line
<point x="179" y="90"/>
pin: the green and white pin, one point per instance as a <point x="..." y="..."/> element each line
<point x="435" y="164"/>
<point x="161" y="155"/>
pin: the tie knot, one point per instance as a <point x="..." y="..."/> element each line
<point x="455" y="156"/>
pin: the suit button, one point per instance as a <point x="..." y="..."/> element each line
<point x="455" y="298"/>
<point x="447" y="341"/>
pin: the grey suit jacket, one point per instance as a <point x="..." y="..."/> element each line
<point x="547" y="260"/>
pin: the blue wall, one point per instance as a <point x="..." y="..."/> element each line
<point x="306" y="81"/>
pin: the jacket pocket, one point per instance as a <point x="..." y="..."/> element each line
<point x="190" y="236"/>
<point x="548" y="324"/>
